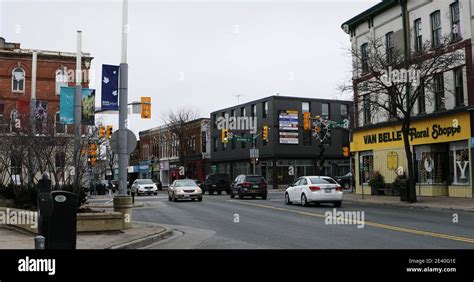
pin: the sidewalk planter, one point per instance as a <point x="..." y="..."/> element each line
<point x="377" y="182"/>
<point x="86" y="222"/>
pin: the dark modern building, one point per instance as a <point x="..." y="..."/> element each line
<point x="288" y="145"/>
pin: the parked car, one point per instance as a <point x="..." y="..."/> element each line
<point x="144" y="186"/>
<point x="249" y="185"/>
<point x="314" y="189"/>
<point x="216" y="182"/>
<point x="184" y="189"/>
<point x="346" y="180"/>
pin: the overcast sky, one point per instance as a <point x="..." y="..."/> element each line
<point x="198" y="53"/>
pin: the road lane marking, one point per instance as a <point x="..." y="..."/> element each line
<point x="373" y="224"/>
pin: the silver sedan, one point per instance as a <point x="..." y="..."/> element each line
<point x="184" y="189"/>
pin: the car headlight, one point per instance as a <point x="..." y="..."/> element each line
<point x="179" y="190"/>
<point x="198" y="190"/>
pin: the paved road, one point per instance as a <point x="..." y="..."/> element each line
<point x="221" y="222"/>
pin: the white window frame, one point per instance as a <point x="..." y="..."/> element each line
<point x="23" y="83"/>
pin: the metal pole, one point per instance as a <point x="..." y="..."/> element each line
<point x="33" y="92"/>
<point x="123" y="101"/>
<point x="254" y="157"/>
<point x="78" y="111"/>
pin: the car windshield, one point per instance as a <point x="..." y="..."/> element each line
<point x="319" y="180"/>
<point x="255" y="179"/>
<point x="144" y="181"/>
<point x="185" y="183"/>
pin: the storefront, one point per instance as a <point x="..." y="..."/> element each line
<point x="441" y="150"/>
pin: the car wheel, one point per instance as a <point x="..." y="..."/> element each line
<point x="200" y="199"/>
<point x="232" y="196"/>
<point x="304" y="201"/>
<point x="219" y="192"/>
<point x="156" y="193"/>
<point x="174" y="198"/>
<point x="287" y="199"/>
<point x="253" y="197"/>
<point x="338" y="204"/>
<point x="346" y="185"/>
<point x="264" y="197"/>
<point x="211" y="192"/>
<point x="228" y="191"/>
<point x="241" y="196"/>
<point x="169" y="198"/>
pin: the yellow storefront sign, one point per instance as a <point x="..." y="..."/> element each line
<point x="392" y="160"/>
<point x="448" y="128"/>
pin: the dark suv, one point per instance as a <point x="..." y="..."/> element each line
<point x="249" y="185"/>
<point x="217" y="182"/>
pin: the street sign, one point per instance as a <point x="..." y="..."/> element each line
<point x="254" y="153"/>
<point x="131" y="141"/>
<point x="244" y="139"/>
<point x="340" y="124"/>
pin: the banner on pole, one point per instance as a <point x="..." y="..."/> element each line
<point x="110" y="77"/>
<point x="88" y="106"/>
<point x="66" y="105"/>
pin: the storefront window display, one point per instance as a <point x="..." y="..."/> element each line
<point x="433" y="164"/>
<point x="366" y="166"/>
<point x="459" y="163"/>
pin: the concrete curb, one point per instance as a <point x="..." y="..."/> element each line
<point x="92" y="206"/>
<point x="145" y="241"/>
<point x="409" y="206"/>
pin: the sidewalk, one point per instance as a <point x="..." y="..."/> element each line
<point x="142" y="234"/>
<point x="440" y="202"/>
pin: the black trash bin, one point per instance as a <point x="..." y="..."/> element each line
<point x="404" y="190"/>
<point x="61" y="225"/>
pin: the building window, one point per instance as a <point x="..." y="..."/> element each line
<point x="60" y="160"/>
<point x="146" y="152"/>
<point x="193" y="145"/>
<point x="325" y="110"/>
<point x="421" y="99"/>
<point x="392" y="96"/>
<point x="58" y="125"/>
<point x="367" y="106"/>
<point x="389" y="46"/>
<point x="232" y="113"/>
<point x="16" y="160"/>
<point x="418" y="36"/>
<point x="18" y="80"/>
<point x="243" y="112"/>
<point x="62" y="80"/>
<point x="242" y="144"/>
<point x="214" y="121"/>
<point x="459" y="86"/>
<point x="2" y="111"/>
<point x="265" y="109"/>
<point x="455" y="22"/>
<point x="215" y="144"/>
<point x="203" y="141"/>
<point x="438" y="81"/>
<point x="344" y="111"/>
<point x="305" y="107"/>
<point x="364" y="51"/>
<point x="253" y="109"/>
<point x="436" y="29"/>
<point x="459" y="168"/>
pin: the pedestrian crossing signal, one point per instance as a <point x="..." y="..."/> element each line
<point x="346" y="152"/>
<point x="101" y="131"/>
<point x="146" y="107"/>
<point x="109" y="131"/>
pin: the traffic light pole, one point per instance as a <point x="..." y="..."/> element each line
<point x="123" y="101"/>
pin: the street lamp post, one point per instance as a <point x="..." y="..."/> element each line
<point x="78" y="112"/>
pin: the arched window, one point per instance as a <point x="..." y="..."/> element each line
<point x="58" y="125"/>
<point x="61" y="80"/>
<point x="18" y="80"/>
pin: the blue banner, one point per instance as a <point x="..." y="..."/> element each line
<point x="66" y="105"/>
<point x="110" y="77"/>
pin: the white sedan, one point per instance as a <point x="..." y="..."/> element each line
<point x="144" y="186"/>
<point x="184" y="189"/>
<point x="314" y="189"/>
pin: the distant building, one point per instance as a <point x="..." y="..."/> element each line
<point x="159" y="153"/>
<point x="286" y="147"/>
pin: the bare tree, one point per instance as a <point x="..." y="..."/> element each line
<point x="389" y="83"/>
<point x="181" y="127"/>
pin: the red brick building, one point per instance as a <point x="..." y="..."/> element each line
<point x="16" y="75"/>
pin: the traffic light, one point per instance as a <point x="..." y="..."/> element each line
<point x="101" y="131"/>
<point x="146" y="107"/>
<point x="225" y="135"/>
<point x="307" y="120"/>
<point x="346" y="151"/>
<point x="92" y="153"/>
<point x="109" y="131"/>
<point x="265" y="133"/>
